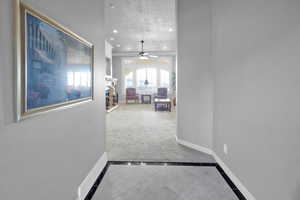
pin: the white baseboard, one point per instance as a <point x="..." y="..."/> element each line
<point x="90" y="179"/>
<point x="226" y="169"/>
<point x="234" y="178"/>
<point x="194" y="146"/>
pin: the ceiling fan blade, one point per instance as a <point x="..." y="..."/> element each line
<point x="144" y="57"/>
<point x="153" y="56"/>
<point x="145" y="53"/>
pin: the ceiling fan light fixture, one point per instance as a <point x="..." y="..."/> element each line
<point x="144" y="55"/>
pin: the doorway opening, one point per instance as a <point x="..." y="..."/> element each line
<point x="141" y="92"/>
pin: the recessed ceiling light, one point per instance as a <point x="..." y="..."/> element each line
<point x="112" y="39"/>
<point x="115" y="31"/>
<point x="118" y="45"/>
<point x="170" y="29"/>
<point x="165" y="47"/>
<point x="128" y="48"/>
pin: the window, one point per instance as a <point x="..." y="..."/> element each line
<point x="79" y="79"/>
<point x="129" y="80"/>
<point x="84" y="79"/>
<point x="152" y="77"/>
<point x="140" y="77"/>
<point x="146" y="73"/>
<point x="70" y="78"/>
<point x="164" y="78"/>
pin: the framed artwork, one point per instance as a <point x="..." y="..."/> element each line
<point x="55" y="67"/>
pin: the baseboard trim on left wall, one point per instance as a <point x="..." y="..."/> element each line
<point x="91" y="178"/>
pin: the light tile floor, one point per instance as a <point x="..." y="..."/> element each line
<point x="123" y="182"/>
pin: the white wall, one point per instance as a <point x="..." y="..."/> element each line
<point x="195" y="84"/>
<point x="256" y="53"/>
<point x="108" y="56"/>
<point x="253" y="48"/>
<point x="108" y="50"/>
<point x="117" y="72"/>
<point x="47" y="157"/>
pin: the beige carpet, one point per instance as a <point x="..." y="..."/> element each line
<point x="137" y="132"/>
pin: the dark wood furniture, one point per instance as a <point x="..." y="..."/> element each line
<point x="162" y="103"/>
<point x="112" y="98"/>
<point x="146" y="98"/>
<point x="162" y="93"/>
<point x="131" y="95"/>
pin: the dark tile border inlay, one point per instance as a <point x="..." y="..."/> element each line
<point x="161" y="163"/>
<point x="92" y="191"/>
<point x="230" y="183"/>
<point x="218" y="167"/>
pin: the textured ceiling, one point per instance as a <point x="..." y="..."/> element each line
<point x="150" y="20"/>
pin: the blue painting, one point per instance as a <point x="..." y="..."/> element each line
<point x="59" y="66"/>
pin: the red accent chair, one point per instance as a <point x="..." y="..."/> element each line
<point x="131" y="95"/>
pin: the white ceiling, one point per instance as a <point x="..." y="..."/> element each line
<point x="150" y="20"/>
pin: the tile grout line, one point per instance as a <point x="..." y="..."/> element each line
<point x="92" y="191"/>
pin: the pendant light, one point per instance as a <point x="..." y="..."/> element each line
<point x="146" y="83"/>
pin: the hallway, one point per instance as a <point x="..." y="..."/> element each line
<point x="146" y="162"/>
<point x="135" y="132"/>
<point x="231" y="68"/>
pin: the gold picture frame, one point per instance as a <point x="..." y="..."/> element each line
<point x="82" y="93"/>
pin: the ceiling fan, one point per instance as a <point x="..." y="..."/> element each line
<point x="145" y="55"/>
